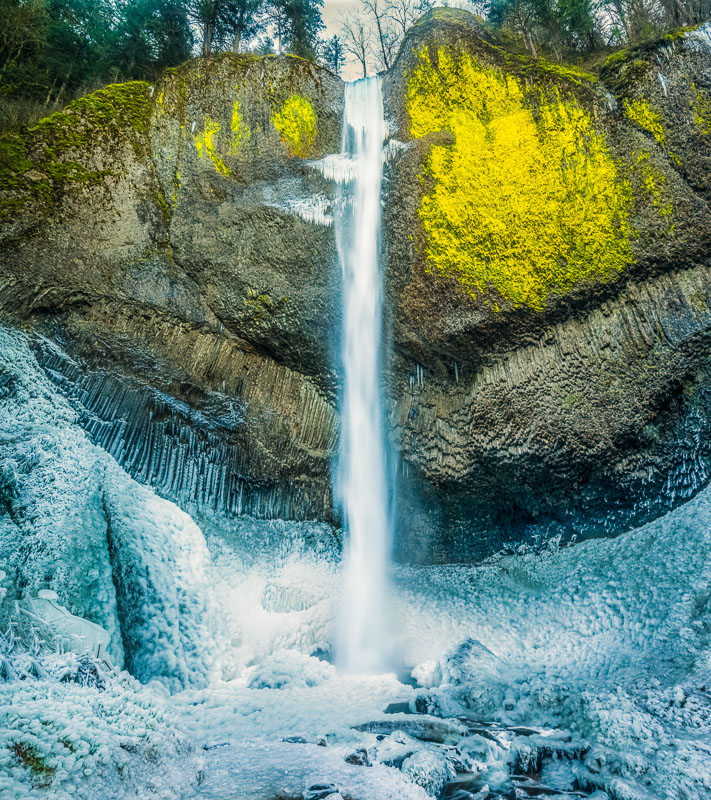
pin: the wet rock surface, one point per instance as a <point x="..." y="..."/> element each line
<point x="192" y="301"/>
<point x="481" y="759"/>
<point x="588" y="414"/>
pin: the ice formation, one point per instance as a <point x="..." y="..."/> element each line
<point x="316" y="209"/>
<point x="64" y="741"/>
<point x="585" y="669"/>
<point x="114" y="551"/>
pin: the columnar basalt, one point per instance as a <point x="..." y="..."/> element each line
<point x="548" y="241"/>
<point x="160" y="235"/>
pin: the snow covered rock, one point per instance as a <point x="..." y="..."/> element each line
<point x="289" y="669"/>
<point x="117" y="554"/>
<point x="428" y="769"/>
<point x="62" y="741"/>
<point x="321" y="791"/>
<point x="470" y="662"/>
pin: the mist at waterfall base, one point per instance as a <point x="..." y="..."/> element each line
<point x="362" y="641"/>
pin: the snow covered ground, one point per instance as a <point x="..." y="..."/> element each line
<point x="585" y="668"/>
<point x="607" y="640"/>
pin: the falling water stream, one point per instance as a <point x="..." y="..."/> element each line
<point x="362" y="481"/>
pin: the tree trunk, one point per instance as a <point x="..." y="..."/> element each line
<point x="207" y="34"/>
<point x="382" y="43"/>
<point x="49" y="93"/>
<point x="237" y="40"/>
<point x="60" y="93"/>
<point x="531" y="45"/>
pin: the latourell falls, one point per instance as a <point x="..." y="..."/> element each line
<point x="355" y="436"/>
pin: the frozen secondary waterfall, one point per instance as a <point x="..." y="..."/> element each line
<point x="362" y="474"/>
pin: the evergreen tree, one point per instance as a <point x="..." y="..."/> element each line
<point x="225" y="23"/>
<point x="306" y="24"/>
<point x="296" y="25"/>
<point x="578" y="23"/>
<point x="333" y="54"/>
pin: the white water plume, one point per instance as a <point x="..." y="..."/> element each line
<point x="362" y="475"/>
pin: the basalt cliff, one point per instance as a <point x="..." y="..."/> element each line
<point x="168" y="250"/>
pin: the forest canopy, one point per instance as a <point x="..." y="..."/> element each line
<point x="54" y="50"/>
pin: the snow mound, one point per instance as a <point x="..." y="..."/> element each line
<point x="428" y="769"/>
<point x="62" y="741"/>
<point x="289" y="668"/>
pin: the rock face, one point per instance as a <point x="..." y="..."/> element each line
<point x="546" y="253"/>
<point x="550" y="368"/>
<point x="194" y="307"/>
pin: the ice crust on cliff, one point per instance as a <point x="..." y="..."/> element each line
<point x="114" y="551"/>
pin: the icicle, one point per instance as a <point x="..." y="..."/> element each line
<point x="315" y="210"/>
<point x="339" y="168"/>
<point x="699" y="39"/>
<point x="394" y="148"/>
<point x="663" y="83"/>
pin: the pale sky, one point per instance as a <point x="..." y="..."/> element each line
<point x="333" y="10"/>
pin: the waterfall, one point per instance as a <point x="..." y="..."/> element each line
<point x="362" y="474"/>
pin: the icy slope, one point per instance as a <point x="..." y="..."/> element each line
<point x="608" y="640"/>
<point x="72" y="520"/>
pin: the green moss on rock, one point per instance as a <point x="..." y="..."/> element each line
<point x="39" y="162"/>
<point x="626" y="68"/>
<point x="678" y="33"/>
<point x="622" y="71"/>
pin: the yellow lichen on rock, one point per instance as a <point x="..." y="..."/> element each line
<point x="205" y="142"/>
<point x="640" y="112"/>
<point x="524" y="202"/>
<point x="297" y="125"/>
<point x="701" y="106"/>
<point x="653" y="183"/>
<point x="239" y="129"/>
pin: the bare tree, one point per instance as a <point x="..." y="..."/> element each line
<point x="403" y="13"/>
<point x="377" y="10"/>
<point x="634" y="20"/>
<point x="22" y="30"/>
<point x="521" y="16"/>
<point x="686" y="12"/>
<point x="356" y="38"/>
